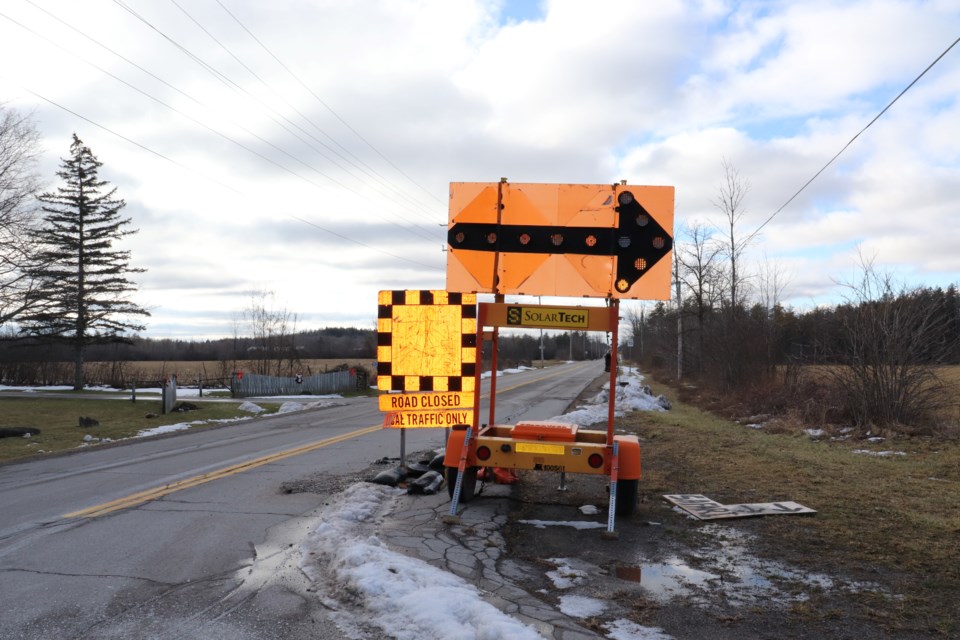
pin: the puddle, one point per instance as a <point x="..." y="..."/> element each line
<point x="667" y="579"/>
<point x="725" y="568"/>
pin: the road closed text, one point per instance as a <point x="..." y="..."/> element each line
<point x="426" y="419"/>
<point x="425" y="401"/>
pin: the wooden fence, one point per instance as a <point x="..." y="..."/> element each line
<point x="244" y="385"/>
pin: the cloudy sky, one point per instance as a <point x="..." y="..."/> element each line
<point x="305" y="147"/>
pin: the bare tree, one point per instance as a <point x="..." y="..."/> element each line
<point x="18" y="183"/>
<point x="699" y="271"/>
<point x="893" y="338"/>
<point x="733" y="345"/>
<point x="272" y="328"/>
<point x="772" y="281"/>
<point x="730" y="202"/>
<point x="679" y="291"/>
<point x="635" y="316"/>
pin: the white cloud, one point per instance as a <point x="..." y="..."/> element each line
<point x="465" y="90"/>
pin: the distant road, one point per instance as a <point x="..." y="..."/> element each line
<point x="156" y="538"/>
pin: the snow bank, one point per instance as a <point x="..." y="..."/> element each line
<point x="632" y="395"/>
<point x="407" y="598"/>
<point x="167" y="428"/>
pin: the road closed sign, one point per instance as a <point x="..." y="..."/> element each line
<point x="426" y="401"/>
<point x="427" y="419"/>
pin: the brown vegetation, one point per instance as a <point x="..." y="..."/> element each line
<point x="890" y="521"/>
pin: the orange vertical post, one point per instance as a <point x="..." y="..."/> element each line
<point x="478" y="372"/>
<point x="614" y="331"/>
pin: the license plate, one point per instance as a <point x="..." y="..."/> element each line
<point x="553" y="449"/>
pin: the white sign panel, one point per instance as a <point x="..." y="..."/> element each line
<point x="704" y="508"/>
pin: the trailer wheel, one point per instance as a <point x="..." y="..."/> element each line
<point x="626" y="496"/>
<point x="469" y="486"/>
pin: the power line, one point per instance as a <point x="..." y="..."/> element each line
<point x="187" y="116"/>
<point x="126" y="139"/>
<point x="229" y="83"/>
<point x="203" y="175"/>
<point x="329" y="108"/>
<point x="362" y="166"/>
<point x="877" y="117"/>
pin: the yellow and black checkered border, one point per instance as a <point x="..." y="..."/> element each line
<point x="467" y="302"/>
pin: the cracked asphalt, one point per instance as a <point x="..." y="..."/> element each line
<point x="475" y="550"/>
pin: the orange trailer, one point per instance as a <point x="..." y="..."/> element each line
<point x="543" y="445"/>
<point x="568" y="240"/>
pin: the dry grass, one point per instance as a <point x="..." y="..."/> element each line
<point x="812" y="398"/>
<point x="57" y="419"/>
<point x="894" y="519"/>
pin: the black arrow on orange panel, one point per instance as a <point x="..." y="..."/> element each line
<point x="638" y="242"/>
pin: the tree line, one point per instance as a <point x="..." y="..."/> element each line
<point x="872" y="359"/>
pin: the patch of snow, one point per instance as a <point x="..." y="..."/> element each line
<point x="406" y="597"/>
<point x="581" y="606"/>
<point x="167" y="428"/>
<point x="4" y="387"/>
<point x="304" y="397"/>
<point x="251" y="407"/>
<point x="566" y="575"/>
<point x="589" y="510"/>
<point x="879" y="453"/>
<point x="576" y="524"/>
<point x="628" y="630"/>
<point x="290" y="407"/>
<point x="632" y="395"/>
<point x="814" y="433"/>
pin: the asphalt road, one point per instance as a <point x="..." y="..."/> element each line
<point x="157" y="538"/>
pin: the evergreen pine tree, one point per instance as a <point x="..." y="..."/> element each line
<point x="84" y="297"/>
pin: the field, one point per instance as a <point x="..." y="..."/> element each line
<point x="888" y="511"/>
<point x="212" y="372"/>
<point x="58" y="418"/>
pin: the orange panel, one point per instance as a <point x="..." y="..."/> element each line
<point x="545" y="430"/>
<point x="531" y="204"/>
<point x="561" y="240"/>
<point x="474" y="201"/>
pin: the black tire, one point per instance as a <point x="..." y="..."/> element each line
<point x="627" y="497"/>
<point x="469" y="486"/>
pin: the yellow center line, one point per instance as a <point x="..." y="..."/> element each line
<point x="159" y="492"/>
<point x="540" y="379"/>
<point x="147" y="495"/>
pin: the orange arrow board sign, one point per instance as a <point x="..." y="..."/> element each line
<point x="572" y="240"/>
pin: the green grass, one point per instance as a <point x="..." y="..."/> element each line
<point x="896" y="517"/>
<point x="57" y="419"/>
